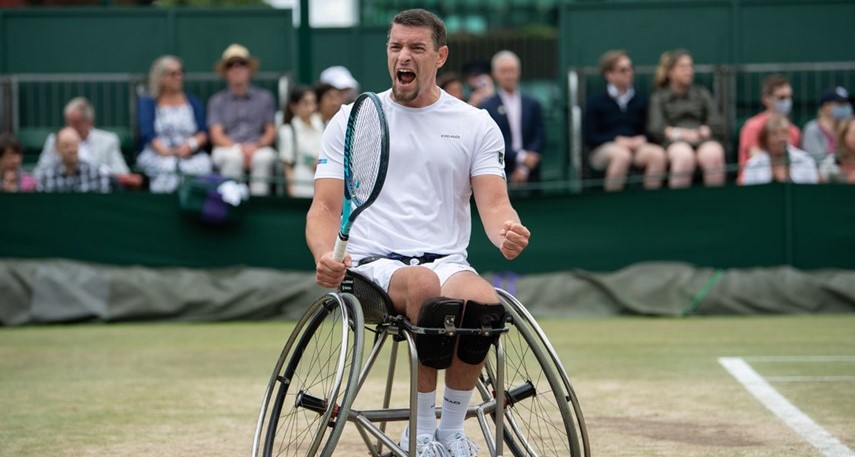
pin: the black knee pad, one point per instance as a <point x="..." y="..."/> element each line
<point x="473" y="349"/>
<point x="437" y="351"/>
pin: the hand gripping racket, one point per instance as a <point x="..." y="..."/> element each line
<point x="366" y="158"/>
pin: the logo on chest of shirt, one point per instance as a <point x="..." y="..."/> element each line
<point x="449" y="136"/>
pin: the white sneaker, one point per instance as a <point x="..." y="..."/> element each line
<point x="459" y="445"/>
<point x="426" y="445"/>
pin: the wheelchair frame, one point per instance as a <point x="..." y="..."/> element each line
<point x="288" y="418"/>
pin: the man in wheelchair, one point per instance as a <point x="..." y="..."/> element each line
<point x="412" y="241"/>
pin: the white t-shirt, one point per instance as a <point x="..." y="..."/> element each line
<point x="758" y="169"/>
<point x="433" y="153"/>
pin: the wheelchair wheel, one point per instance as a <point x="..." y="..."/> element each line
<point x="313" y="380"/>
<point x="542" y="414"/>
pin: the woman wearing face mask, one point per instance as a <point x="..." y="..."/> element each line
<point x="820" y="137"/>
<point x="777" y="97"/>
<point x="840" y="167"/>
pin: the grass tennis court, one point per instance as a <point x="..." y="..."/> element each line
<point x="649" y="387"/>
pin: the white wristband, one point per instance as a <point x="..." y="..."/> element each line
<point x="193" y="143"/>
<point x="675" y="133"/>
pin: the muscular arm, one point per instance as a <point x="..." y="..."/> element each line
<point x="499" y="218"/>
<point x="322" y="224"/>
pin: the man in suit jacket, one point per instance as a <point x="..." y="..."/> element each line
<point x="520" y="118"/>
<point x="97" y="147"/>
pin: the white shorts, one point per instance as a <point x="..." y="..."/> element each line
<point x="380" y="271"/>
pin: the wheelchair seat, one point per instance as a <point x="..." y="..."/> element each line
<point x="376" y="304"/>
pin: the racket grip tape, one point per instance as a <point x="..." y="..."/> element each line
<point x="340" y="248"/>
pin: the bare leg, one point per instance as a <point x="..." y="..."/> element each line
<point x="651" y="157"/>
<point x="619" y="159"/>
<point x="682" y="159"/>
<point x="711" y="161"/>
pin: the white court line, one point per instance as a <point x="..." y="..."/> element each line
<point x="781" y="407"/>
<point x="810" y="378"/>
<point x="801" y="358"/>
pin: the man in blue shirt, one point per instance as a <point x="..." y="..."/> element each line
<point x="614" y="125"/>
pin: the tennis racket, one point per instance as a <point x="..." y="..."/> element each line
<point x="366" y="159"/>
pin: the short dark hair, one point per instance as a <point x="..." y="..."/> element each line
<point x="610" y="59"/>
<point x="773" y="82"/>
<point x="422" y="18"/>
<point x="8" y="142"/>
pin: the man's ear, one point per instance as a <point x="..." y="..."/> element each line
<point x="443" y="56"/>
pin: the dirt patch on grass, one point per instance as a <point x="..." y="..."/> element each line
<point x="699" y="434"/>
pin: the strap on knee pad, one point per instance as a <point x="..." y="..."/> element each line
<point x="473" y="348"/>
<point x="437" y="351"/>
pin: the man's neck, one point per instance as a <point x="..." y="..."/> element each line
<point x="239" y="89"/>
<point x="70" y="168"/>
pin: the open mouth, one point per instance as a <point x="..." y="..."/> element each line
<point x="405" y="77"/>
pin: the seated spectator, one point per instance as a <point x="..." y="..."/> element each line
<point x="820" y="136"/>
<point x="340" y="78"/>
<point x="614" y="126"/>
<point x="11" y="156"/>
<point x="684" y="119"/>
<point x="99" y="148"/>
<point x="329" y="101"/>
<point x="777" y="159"/>
<point x="519" y="117"/>
<point x="241" y="122"/>
<point x="477" y="76"/>
<point x="72" y="173"/>
<point x="451" y="83"/>
<point x="300" y="141"/>
<point x="777" y="97"/>
<point x="840" y="167"/>
<point x="172" y="128"/>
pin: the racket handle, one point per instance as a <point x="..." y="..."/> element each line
<point x="340" y="248"/>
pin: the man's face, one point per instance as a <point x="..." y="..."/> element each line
<point x="507" y="73"/>
<point x="238" y="72"/>
<point x="75" y="120"/>
<point x="621" y="73"/>
<point x="413" y="62"/>
<point x="780" y="93"/>
<point x="67" y="143"/>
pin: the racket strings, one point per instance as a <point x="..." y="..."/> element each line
<point x="366" y="145"/>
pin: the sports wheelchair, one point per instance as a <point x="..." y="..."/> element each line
<point x="523" y="393"/>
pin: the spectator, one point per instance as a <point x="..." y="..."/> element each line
<point x="451" y="83"/>
<point x="99" y="148"/>
<point x="520" y="119"/>
<point x="840" y="167"/>
<point x="11" y="156"/>
<point x="241" y="122"/>
<point x="684" y="119"/>
<point x="72" y="173"/>
<point x="340" y="78"/>
<point x="777" y="159"/>
<point x="777" y="97"/>
<point x="300" y="141"/>
<point x="172" y="128"/>
<point x="329" y="101"/>
<point x="614" y="126"/>
<point x="820" y="137"/>
<point x="477" y="76"/>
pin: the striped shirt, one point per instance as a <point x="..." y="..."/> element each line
<point x="86" y="178"/>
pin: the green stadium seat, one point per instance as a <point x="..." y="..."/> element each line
<point x="32" y="140"/>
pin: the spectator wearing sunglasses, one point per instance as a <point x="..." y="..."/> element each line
<point x="241" y="122"/>
<point x="777" y="97"/>
<point x="172" y="128"/>
<point x="614" y="127"/>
